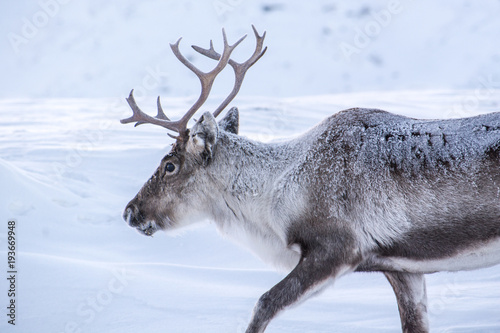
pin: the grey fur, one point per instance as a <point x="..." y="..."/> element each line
<point x="231" y="122"/>
<point x="364" y="190"/>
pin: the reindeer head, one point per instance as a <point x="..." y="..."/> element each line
<point x="172" y="196"/>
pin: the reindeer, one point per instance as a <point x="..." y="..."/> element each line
<point x="363" y="191"/>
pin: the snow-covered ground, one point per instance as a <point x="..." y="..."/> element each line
<point x="68" y="168"/>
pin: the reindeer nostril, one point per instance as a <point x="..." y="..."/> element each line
<point x="127" y="214"/>
<point x="130" y="215"/>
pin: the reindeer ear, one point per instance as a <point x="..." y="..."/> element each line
<point x="202" y="138"/>
<point x="231" y="122"/>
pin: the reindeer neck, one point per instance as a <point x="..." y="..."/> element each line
<point x="247" y="167"/>
<point x="247" y="177"/>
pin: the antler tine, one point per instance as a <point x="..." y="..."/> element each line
<point x="206" y="79"/>
<point x="161" y="114"/>
<point x="240" y="69"/>
<point x="140" y="117"/>
<point x="211" y="53"/>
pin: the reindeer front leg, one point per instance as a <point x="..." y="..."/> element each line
<point x="314" y="270"/>
<point x="411" y="296"/>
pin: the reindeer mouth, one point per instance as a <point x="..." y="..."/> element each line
<point x="144" y="225"/>
<point x="148" y="228"/>
<point x="135" y="219"/>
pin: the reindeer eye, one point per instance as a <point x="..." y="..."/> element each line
<point x="169" y="167"/>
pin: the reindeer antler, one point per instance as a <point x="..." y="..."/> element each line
<point x="240" y="69"/>
<point x="206" y="80"/>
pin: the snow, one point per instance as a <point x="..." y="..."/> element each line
<point x="66" y="179"/>
<point x="86" y="49"/>
<point x="68" y="167"/>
